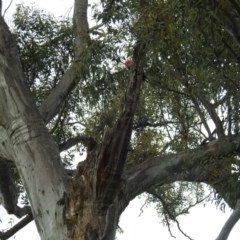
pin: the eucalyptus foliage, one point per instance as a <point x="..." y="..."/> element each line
<point x="189" y="98"/>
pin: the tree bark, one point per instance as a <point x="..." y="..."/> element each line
<point x="33" y="150"/>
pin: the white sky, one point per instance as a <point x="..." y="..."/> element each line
<point x="202" y="222"/>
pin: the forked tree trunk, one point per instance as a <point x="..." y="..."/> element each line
<point x="87" y="208"/>
<point x="93" y="204"/>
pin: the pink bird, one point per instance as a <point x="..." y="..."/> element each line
<point x="128" y="63"/>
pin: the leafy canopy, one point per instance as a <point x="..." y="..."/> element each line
<point x="190" y="95"/>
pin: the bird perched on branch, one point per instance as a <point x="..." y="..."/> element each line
<point x="128" y="63"/>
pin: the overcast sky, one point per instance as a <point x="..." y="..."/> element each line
<point x="203" y="223"/>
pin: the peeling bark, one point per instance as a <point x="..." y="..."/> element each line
<point x="81" y="215"/>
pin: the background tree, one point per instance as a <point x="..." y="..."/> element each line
<point x="165" y="126"/>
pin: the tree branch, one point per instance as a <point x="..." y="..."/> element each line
<point x="114" y="148"/>
<point x="71" y="77"/>
<point x="9" y="5"/>
<point x="164" y="169"/>
<point x="169" y="213"/>
<point x="232" y="220"/>
<point x="143" y="124"/>
<point x="86" y="140"/>
<point x="229" y="18"/>
<point x="53" y="129"/>
<point x="50" y="107"/>
<point x="236" y="6"/>
<point x="201" y="115"/>
<point x="80" y="24"/>
<point x="210" y="109"/>
<point x="17" y="227"/>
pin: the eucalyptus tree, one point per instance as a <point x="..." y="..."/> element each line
<point x="168" y="125"/>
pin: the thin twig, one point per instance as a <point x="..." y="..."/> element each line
<point x="9" y="5"/>
<point x="171" y="216"/>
